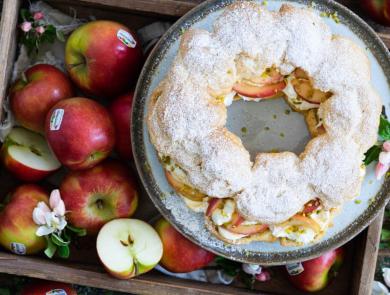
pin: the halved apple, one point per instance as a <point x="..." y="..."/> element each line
<point x="183" y="189"/>
<point x="27" y="155"/>
<point x="263" y="91"/>
<point x="128" y="247"/>
<point x="214" y="203"/>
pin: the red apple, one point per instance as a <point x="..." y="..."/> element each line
<point x="180" y="254"/>
<point x="379" y="10"/>
<point x="17" y="227"/>
<point x="315" y="274"/>
<point x="120" y="110"/>
<point x="97" y="195"/>
<point x="103" y="58"/>
<point x="38" y="89"/>
<point x="264" y="91"/>
<point x="80" y="132"/>
<point x="27" y="155"/>
<point x="48" y="288"/>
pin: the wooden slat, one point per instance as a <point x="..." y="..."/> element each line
<point x="366" y="256"/>
<point x="8" y="28"/>
<point x="94" y="276"/>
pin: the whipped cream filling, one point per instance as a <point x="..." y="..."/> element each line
<point x="322" y="217"/>
<point x="300" y="235"/>
<point x="224" y="215"/>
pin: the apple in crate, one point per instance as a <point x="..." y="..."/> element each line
<point x="80" y="132"/>
<point x="17" y="228"/>
<point x="38" y="89"/>
<point x="99" y="194"/>
<point x="128" y="247"/>
<point x="315" y="274"/>
<point x="48" y="288"/>
<point x="120" y="110"/>
<point x="27" y="155"/>
<point x="103" y="58"/>
<point x="180" y="254"/>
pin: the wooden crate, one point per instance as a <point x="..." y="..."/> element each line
<point x="83" y="268"/>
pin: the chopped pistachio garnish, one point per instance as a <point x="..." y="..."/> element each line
<point x="244" y="130"/>
<point x="264" y="3"/>
<point x="182" y="31"/>
<point x="287" y="112"/>
<point x="166" y="160"/>
<point x="358" y="201"/>
<point x="274" y="116"/>
<point x="334" y="16"/>
<point x="281" y="134"/>
<point x="266" y="128"/>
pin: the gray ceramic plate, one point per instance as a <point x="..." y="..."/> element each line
<point x="286" y="132"/>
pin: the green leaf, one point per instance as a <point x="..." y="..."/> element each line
<point x="384" y="128"/>
<point x="59" y="241"/>
<point x="385" y="235"/>
<point x="372" y="154"/>
<point x="229" y="267"/>
<point x="63" y="251"/>
<point x="25" y="14"/>
<point x="5" y="291"/>
<point x="79" y="231"/>
<point x="60" y="35"/>
<point x="51" y="248"/>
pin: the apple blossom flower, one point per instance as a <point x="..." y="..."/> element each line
<point x="264" y="276"/>
<point x="386" y="275"/>
<point x="26" y="26"/>
<point x="38" y="15"/>
<point x="40" y="30"/>
<point x="384" y="160"/>
<point x="251" y="269"/>
<point x="51" y="219"/>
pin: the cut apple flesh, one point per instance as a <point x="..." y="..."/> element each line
<point x="305" y="89"/>
<point x="247" y="229"/>
<point x="184" y="189"/>
<point x="264" y="91"/>
<point x="127" y="247"/>
<point x="270" y="76"/>
<point x="214" y="203"/>
<point x="31" y="149"/>
<point x="303" y="221"/>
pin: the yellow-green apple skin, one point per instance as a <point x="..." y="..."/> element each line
<point x="80" y="132"/>
<point x="97" y="195"/>
<point x="180" y="254"/>
<point x="16" y="223"/>
<point x="98" y="60"/>
<point x="128" y="247"/>
<point x="32" y="96"/>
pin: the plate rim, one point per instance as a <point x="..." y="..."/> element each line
<point x="378" y="49"/>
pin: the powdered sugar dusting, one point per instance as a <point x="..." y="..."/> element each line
<point x="186" y="119"/>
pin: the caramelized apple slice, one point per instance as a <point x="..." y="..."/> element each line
<point x="303" y="221"/>
<point x="300" y="74"/>
<point x="270" y="76"/>
<point x="214" y="203"/>
<point x="312" y="123"/>
<point x="247" y="229"/>
<point x="237" y="219"/>
<point x="266" y="91"/>
<point x="305" y="89"/>
<point x="183" y="189"/>
<point x="311" y="206"/>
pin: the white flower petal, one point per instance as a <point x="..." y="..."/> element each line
<point x="62" y="224"/>
<point x="59" y="210"/>
<point x="44" y="231"/>
<point x="386" y="145"/>
<point x="55" y="198"/>
<point x="38" y="216"/>
<point x="49" y="218"/>
<point x="43" y="206"/>
<point x="386" y="275"/>
<point x="252" y="269"/>
<point x="384" y="158"/>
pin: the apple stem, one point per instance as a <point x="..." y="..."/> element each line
<point x="130" y="239"/>
<point x="124" y="243"/>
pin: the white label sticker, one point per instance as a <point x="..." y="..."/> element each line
<point x="294" y="269"/>
<point x="56" y="292"/>
<point x="56" y="119"/>
<point x="18" y="248"/>
<point x="126" y="38"/>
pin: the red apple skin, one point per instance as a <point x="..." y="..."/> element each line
<point x="318" y="272"/>
<point x="120" y="110"/>
<point x="180" y="254"/>
<point x="16" y="223"/>
<point x="108" y="184"/>
<point x="378" y="10"/>
<point x="99" y="63"/>
<point x="44" y="288"/>
<point x="21" y="171"/>
<point x="86" y="135"/>
<point x="33" y="95"/>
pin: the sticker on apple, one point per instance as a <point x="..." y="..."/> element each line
<point x="18" y="248"/>
<point x="294" y="269"/>
<point x="56" y="292"/>
<point x="126" y="38"/>
<point x="56" y="119"/>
